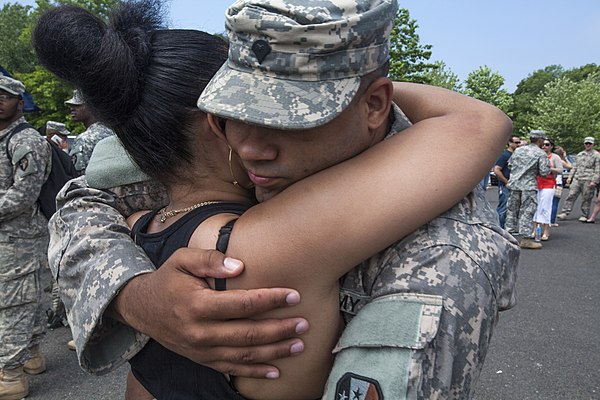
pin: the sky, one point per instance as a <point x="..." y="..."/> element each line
<point x="512" y="37"/>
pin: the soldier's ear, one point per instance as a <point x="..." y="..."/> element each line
<point x="217" y="125"/>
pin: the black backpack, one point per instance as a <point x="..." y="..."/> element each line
<point x="61" y="172"/>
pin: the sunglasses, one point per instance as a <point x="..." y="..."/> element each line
<point x="546" y="144"/>
<point x="7" y="97"/>
<point x="588" y="143"/>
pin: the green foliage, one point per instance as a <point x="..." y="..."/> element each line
<point x="408" y="58"/>
<point x="16" y="53"/>
<point x="569" y="111"/>
<point x="486" y="85"/>
<point x="17" y="56"/>
<point x="442" y="76"/>
<point x="49" y="94"/>
<point x="582" y="73"/>
<point x="527" y="90"/>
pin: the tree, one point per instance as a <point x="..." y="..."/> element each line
<point x="582" y="73"/>
<point x="442" y="76"/>
<point x="569" y="111"/>
<point x="486" y="85"/>
<point x="16" y="54"/>
<point x="527" y="90"/>
<point x="408" y="58"/>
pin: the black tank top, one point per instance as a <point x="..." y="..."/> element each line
<point x="165" y="374"/>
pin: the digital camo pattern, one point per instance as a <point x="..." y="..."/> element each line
<point x="526" y="164"/>
<point x="89" y="223"/>
<point x="84" y="145"/>
<point x="11" y="85"/>
<point x="295" y="64"/>
<point x="23" y="242"/>
<point x="587" y="167"/>
<point x="466" y="259"/>
<point x="520" y="210"/>
<point x="587" y="196"/>
<point x="22" y="318"/>
<point x="21" y="180"/>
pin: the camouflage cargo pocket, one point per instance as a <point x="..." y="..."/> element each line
<point x="374" y="356"/>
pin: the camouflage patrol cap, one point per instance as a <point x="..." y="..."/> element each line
<point x="59" y="127"/>
<point x="296" y="64"/>
<point x="76" y="100"/>
<point x="537" y="134"/>
<point x="11" y="85"/>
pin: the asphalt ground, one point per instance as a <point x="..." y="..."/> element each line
<point x="547" y="347"/>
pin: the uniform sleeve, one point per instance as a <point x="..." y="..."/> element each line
<point x="92" y="256"/>
<point x="80" y="153"/>
<point x="543" y="165"/>
<point x="575" y="164"/>
<point x="31" y="161"/>
<point x="596" y="176"/>
<point x="435" y="301"/>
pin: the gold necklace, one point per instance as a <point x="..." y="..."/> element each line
<point x="168" y="214"/>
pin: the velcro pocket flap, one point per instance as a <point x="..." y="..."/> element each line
<point x="397" y="320"/>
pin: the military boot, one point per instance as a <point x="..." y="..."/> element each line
<point x="528" y="243"/>
<point x="37" y="363"/>
<point x="13" y="384"/>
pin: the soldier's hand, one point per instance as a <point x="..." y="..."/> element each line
<point x="176" y="308"/>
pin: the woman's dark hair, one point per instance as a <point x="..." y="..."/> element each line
<point x="139" y="79"/>
<point x="551" y="142"/>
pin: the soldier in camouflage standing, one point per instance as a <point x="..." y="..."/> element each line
<point x="25" y="165"/>
<point x="81" y="151"/>
<point x="583" y="180"/>
<point x="526" y="164"/>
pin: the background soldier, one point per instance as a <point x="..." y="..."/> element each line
<point x="526" y="164"/>
<point x="58" y="133"/>
<point x="85" y="142"/>
<point x="25" y="165"/>
<point x="583" y="178"/>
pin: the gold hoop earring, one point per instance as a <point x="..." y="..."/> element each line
<point x="234" y="181"/>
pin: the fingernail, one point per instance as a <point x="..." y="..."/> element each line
<point x="293" y="298"/>
<point x="272" y="375"/>
<point x="297" y="347"/>
<point x="302" y="327"/>
<point x="231" y="264"/>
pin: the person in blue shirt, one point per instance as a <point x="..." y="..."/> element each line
<point x="502" y="172"/>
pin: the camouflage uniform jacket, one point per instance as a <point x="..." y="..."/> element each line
<point x="84" y="145"/>
<point x="526" y="164"/>
<point x="21" y="179"/>
<point x="587" y="166"/>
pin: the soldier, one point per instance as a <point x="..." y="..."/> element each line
<point x="26" y="162"/>
<point x="583" y="180"/>
<point x="526" y="164"/>
<point x="57" y="132"/>
<point x="86" y="141"/>
<point x="448" y="278"/>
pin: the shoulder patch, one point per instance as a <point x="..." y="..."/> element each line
<point x="356" y="387"/>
